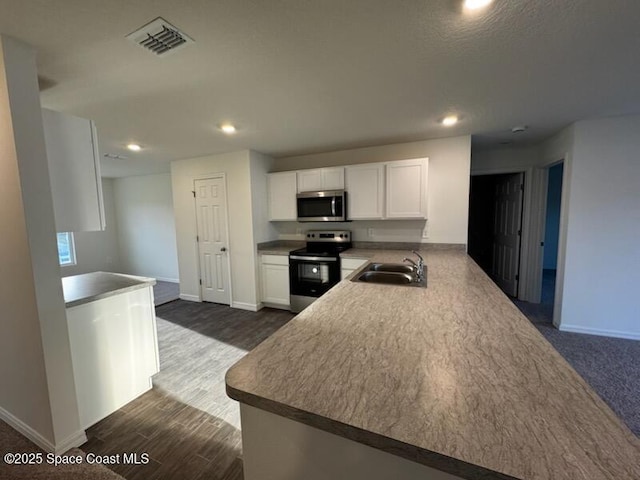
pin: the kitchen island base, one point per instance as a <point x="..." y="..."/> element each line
<point x="114" y="345"/>
<point x="277" y="448"/>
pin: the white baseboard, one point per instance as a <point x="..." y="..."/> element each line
<point x="279" y="306"/>
<point x="165" y="279"/>
<point x="74" y="440"/>
<point x="189" y="298"/>
<point x="599" y="331"/>
<point x="252" y="307"/>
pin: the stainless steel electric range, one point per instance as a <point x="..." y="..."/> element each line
<point x="313" y="270"/>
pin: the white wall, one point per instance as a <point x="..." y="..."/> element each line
<point x="38" y="392"/>
<point x="602" y="248"/>
<point x="448" y="190"/>
<point x="146" y="227"/>
<point x="505" y="158"/>
<point x="242" y="249"/>
<point x="98" y="251"/>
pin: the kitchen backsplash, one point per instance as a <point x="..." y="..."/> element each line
<point x="362" y="230"/>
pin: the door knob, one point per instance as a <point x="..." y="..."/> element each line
<point x="223" y="249"/>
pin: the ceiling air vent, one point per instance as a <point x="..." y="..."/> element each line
<point x="160" y="37"/>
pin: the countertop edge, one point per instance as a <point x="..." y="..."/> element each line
<point x="144" y="282"/>
<point x="409" y="452"/>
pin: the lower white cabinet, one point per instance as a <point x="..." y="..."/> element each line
<point x="275" y="280"/>
<point x="114" y="350"/>
<point x="350" y="265"/>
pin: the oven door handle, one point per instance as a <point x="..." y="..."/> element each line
<point x="333" y="206"/>
<point x="313" y="259"/>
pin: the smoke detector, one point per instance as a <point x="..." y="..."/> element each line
<point x="160" y="37"/>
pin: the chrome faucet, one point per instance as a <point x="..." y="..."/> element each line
<point x="419" y="265"/>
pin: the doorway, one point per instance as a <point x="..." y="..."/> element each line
<point x="495" y="227"/>
<point x="211" y="217"/>
<point x="551" y="237"/>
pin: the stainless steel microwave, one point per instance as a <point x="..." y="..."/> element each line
<point x="329" y="206"/>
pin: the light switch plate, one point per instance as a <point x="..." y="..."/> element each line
<point x="370" y="232"/>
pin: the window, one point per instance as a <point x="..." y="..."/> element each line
<point x="66" y="249"/>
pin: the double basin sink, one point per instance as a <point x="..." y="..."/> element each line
<point x="391" y="274"/>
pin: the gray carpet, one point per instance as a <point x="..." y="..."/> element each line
<point x="165" y="292"/>
<point x="13" y="442"/>
<point x="610" y="365"/>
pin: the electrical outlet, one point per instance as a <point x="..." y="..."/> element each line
<point x="425" y="232"/>
<point x="298" y="231"/>
<point x="370" y="232"/>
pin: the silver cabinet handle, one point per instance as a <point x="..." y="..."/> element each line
<point x="223" y="249"/>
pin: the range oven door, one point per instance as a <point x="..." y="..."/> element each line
<point x="312" y="276"/>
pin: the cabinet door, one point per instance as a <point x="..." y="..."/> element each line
<point x="407" y="189"/>
<point x="309" y="180"/>
<point x="333" y="178"/>
<point x="275" y="284"/>
<point x="74" y="172"/>
<point x="365" y="191"/>
<point x="282" y="196"/>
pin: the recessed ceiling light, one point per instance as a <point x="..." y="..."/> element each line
<point x="228" y="128"/>
<point x="450" y="120"/>
<point x="134" y="147"/>
<point x="476" y="4"/>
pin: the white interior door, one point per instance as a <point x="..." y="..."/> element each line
<point x="211" y="214"/>
<point x="507" y="228"/>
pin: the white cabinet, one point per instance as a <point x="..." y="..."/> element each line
<point x="406" y="182"/>
<point x="365" y="191"/>
<point x="275" y="280"/>
<point x="114" y="350"/>
<point x="350" y="265"/>
<point x="321" y="179"/>
<point x="282" y="196"/>
<point x="74" y="172"/>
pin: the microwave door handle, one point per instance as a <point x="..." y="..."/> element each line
<point x="333" y="206"/>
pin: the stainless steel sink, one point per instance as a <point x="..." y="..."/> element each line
<point x="390" y="274"/>
<point x="391" y="267"/>
<point x="392" y="278"/>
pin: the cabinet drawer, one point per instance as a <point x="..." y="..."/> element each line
<point x="275" y="259"/>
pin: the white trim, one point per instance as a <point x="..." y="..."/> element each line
<point x="189" y="298"/>
<point x="279" y="306"/>
<point x="165" y="279"/>
<point x="72" y="441"/>
<point x="599" y="331"/>
<point x="252" y="307"/>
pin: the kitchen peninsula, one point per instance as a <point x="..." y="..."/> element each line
<point x="114" y="345"/>
<point x="447" y="382"/>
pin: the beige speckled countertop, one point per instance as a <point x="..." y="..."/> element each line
<point x="89" y="287"/>
<point x="452" y="376"/>
<point x="279" y="247"/>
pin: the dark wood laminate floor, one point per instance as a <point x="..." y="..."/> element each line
<point x="186" y="424"/>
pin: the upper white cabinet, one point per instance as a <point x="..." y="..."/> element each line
<point x="74" y="172"/>
<point x="282" y="196"/>
<point x="365" y="191"/>
<point x="321" y="179"/>
<point x="406" y="182"/>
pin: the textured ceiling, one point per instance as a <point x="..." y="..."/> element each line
<point x="301" y="76"/>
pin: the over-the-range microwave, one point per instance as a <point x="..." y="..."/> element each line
<point x="327" y="206"/>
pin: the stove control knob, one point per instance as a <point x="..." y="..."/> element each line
<point x="341" y="236"/>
